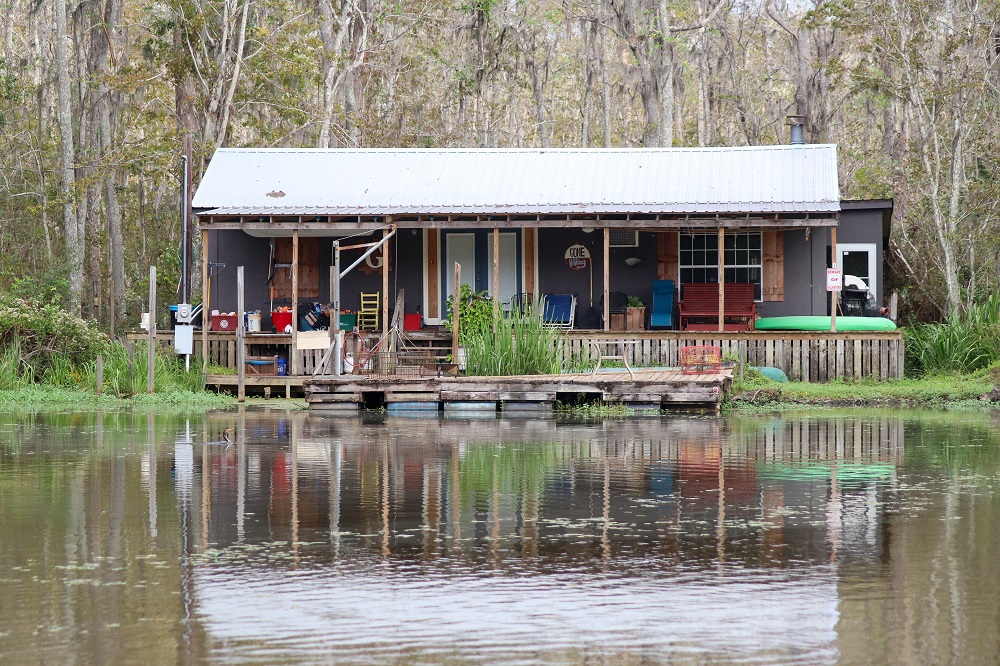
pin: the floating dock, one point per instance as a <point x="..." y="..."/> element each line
<point x="647" y="389"/>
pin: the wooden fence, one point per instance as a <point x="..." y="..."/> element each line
<point x="808" y="357"/>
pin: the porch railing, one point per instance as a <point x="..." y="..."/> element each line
<point x="809" y="357"/>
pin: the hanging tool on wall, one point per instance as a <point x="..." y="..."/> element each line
<point x="273" y="267"/>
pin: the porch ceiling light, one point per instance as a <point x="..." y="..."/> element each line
<point x="588" y="230"/>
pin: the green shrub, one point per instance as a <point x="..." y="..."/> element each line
<point x="475" y="308"/>
<point x="47" y="335"/>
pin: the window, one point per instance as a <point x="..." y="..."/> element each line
<point x="699" y="258"/>
<point x="623" y="238"/>
<point x="858" y="259"/>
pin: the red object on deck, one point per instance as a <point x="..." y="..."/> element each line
<point x="412" y="322"/>
<point x="223" y="323"/>
<point x="696" y="360"/>
<point x="280" y="320"/>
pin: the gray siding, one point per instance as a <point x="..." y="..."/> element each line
<point x="554" y="277"/>
<point x="806" y="261"/>
<point x="805" y="264"/>
<point x="236" y="248"/>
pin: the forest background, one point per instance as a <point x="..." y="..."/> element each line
<point x="98" y="100"/>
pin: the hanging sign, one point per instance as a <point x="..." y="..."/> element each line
<point x="577" y="257"/>
<point x="373" y="263"/>
<point x="834" y="279"/>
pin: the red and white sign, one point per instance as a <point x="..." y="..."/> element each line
<point x="834" y="279"/>
<point x="577" y="257"/>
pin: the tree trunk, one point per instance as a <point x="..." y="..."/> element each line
<point x="74" y="240"/>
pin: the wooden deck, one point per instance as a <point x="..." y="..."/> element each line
<point x="803" y="356"/>
<point x="283" y="386"/>
<point x="648" y="389"/>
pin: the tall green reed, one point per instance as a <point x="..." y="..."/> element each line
<point x="14" y="372"/>
<point x="514" y="343"/>
<point x="964" y="343"/>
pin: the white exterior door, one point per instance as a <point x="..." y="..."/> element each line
<point x="858" y="259"/>
<point x="459" y="248"/>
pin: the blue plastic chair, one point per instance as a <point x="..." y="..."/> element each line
<point x="662" y="313"/>
<point x="559" y="310"/>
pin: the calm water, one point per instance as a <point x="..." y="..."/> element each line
<point x="859" y="537"/>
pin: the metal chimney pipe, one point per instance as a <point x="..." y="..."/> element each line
<point x="797" y="125"/>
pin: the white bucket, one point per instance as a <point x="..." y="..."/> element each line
<point x="253" y="322"/>
<point x="349" y="364"/>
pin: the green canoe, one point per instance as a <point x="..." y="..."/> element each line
<point x="818" y="323"/>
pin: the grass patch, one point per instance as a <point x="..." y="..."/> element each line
<point x="595" y="409"/>
<point x="41" y="395"/>
<point x="929" y="391"/>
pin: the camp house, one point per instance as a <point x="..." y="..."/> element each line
<point x="590" y="225"/>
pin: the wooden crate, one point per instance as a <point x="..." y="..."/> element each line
<point x="262" y="365"/>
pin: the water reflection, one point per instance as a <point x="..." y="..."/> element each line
<point x="815" y="538"/>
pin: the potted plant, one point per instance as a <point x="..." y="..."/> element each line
<point x="730" y="360"/>
<point x="635" y="314"/>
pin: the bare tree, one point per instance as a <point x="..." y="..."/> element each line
<point x="73" y="233"/>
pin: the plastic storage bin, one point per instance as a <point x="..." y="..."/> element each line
<point x="223" y="323"/>
<point x="281" y="320"/>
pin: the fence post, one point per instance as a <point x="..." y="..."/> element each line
<point x="151" y="352"/>
<point x="100" y="374"/>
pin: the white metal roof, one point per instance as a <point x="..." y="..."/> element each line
<point x="755" y="179"/>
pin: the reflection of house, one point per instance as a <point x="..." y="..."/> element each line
<point x="413" y="486"/>
<point x="569" y="221"/>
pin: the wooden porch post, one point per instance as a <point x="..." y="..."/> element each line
<point x="241" y="390"/>
<point x="456" y="307"/>
<point x="496" y="272"/>
<point x="722" y="279"/>
<point x="529" y="263"/>
<point x="607" y="279"/>
<point x="385" y="284"/>
<point x="205" y="312"/>
<point x="293" y="362"/>
<point x="433" y="273"/>
<point x="833" y="294"/>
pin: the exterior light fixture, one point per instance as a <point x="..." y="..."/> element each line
<point x="632" y="261"/>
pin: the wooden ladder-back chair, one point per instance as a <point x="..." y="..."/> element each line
<point x="368" y="314"/>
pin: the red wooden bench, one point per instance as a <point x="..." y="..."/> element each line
<point x="701" y="302"/>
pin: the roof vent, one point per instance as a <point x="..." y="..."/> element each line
<point x="797" y="123"/>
